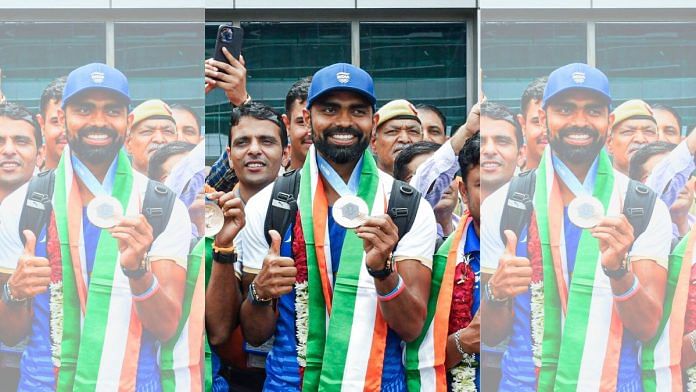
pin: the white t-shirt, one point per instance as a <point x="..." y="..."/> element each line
<point x="653" y="244"/>
<point x="173" y="243"/>
<point x="417" y="244"/>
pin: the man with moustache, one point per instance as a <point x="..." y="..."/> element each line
<point x="501" y="146"/>
<point x="97" y="304"/>
<point x="434" y="123"/>
<point x="151" y="127"/>
<point x="300" y="137"/>
<point x="580" y="316"/>
<point x="354" y="344"/>
<point x="669" y="123"/>
<point x="397" y="128"/>
<point x="534" y="133"/>
<point x="20" y="142"/>
<point x="52" y="130"/>
<point x="188" y="123"/>
<point x="634" y="126"/>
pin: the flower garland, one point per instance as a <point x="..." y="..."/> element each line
<point x="55" y="291"/>
<point x="690" y="325"/>
<point x="299" y="252"/>
<point x="537" y="289"/>
<point x="464" y="373"/>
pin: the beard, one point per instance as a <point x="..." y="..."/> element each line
<point x="340" y="154"/>
<point x="95" y="154"/>
<point x="576" y="154"/>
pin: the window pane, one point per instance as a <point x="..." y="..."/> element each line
<point x="421" y="62"/>
<point x="277" y="54"/>
<point x="33" y="54"/>
<point x="655" y="62"/>
<point x="515" y="53"/>
<point x="161" y="60"/>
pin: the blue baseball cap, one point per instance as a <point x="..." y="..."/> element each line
<point x="576" y="76"/>
<point x="341" y="76"/>
<point x="93" y="77"/>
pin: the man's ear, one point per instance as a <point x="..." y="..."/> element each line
<point x="286" y="120"/>
<point x="42" y="122"/>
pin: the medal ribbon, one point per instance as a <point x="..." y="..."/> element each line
<point x="336" y="181"/>
<point x="572" y="182"/>
<point x="90" y="181"/>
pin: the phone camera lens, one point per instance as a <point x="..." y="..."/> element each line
<point x="226" y="35"/>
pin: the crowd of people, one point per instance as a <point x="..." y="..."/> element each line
<point x="345" y="245"/>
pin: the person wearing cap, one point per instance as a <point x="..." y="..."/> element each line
<point x="361" y="310"/>
<point x="633" y="127"/>
<point x="585" y="314"/>
<point x="398" y="127"/>
<point x="152" y="126"/>
<point x="100" y="306"/>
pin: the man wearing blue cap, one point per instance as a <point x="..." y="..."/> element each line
<point x="96" y="304"/>
<point x="582" y="308"/>
<point x="343" y="310"/>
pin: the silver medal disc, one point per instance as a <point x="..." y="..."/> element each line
<point x="214" y="218"/>
<point x="350" y="211"/>
<point x="585" y="211"/>
<point x="104" y="211"/>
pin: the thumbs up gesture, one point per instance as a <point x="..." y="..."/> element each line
<point x="33" y="274"/>
<point x="278" y="273"/>
<point x="514" y="274"/>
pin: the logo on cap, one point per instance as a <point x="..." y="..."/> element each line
<point x="343" y="77"/>
<point x="97" y="77"/>
<point x="578" y="77"/>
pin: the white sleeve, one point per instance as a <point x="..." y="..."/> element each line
<point x="677" y="160"/>
<point x="11" y="247"/>
<point x="440" y="162"/>
<point x="174" y="242"/>
<point x="419" y="242"/>
<point x="655" y="241"/>
<point x="253" y="245"/>
<point x="492" y="246"/>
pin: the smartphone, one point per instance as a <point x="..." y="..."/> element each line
<point x="229" y="37"/>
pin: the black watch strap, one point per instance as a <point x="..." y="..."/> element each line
<point x="384" y="272"/>
<point x="617" y="273"/>
<point x="225" y="258"/>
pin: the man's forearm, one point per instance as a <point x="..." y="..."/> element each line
<point x="640" y="313"/>
<point x="258" y="322"/>
<point x="16" y="322"/>
<point x="222" y="301"/>
<point x="160" y="312"/>
<point x="405" y="314"/>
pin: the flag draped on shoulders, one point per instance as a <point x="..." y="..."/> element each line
<point x="425" y="356"/>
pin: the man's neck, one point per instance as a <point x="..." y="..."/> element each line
<point x="297" y="161"/>
<point x="580" y="170"/>
<point x="246" y="191"/>
<point x="477" y="228"/>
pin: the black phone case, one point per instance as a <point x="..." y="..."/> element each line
<point x="234" y="47"/>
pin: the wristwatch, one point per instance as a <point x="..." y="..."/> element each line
<point x="254" y="298"/>
<point x="619" y="272"/>
<point x="140" y="272"/>
<point x="384" y="272"/>
<point x="224" y="257"/>
<point x="7" y="296"/>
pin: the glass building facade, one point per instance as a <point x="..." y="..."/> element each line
<point x="424" y="62"/>
<point x="652" y="61"/>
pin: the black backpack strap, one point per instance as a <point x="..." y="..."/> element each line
<point x="38" y="203"/>
<point x="157" y="206"/>
<point x="517" y="210"/>
<point x="283" y="207"/>
<point x="638" y="206"/>
<point x="403" y="206"/>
